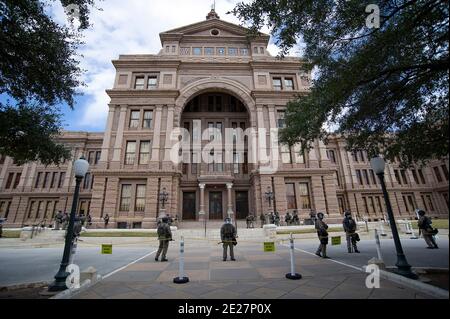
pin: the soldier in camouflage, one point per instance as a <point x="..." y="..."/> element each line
<point x="164" y="237"/>
<point x="322" y="233"/>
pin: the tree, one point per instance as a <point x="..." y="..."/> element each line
<point x="38" y="71"/>
<point x="385" y="88"/>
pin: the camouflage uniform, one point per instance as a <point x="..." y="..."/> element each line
<point x="349" y="225"/>
<point x="426" y="229"/>
<point x="322" y="233"/>
<point x="288" y="219"/>
<point x="164" y="236"/>
<point x="228" y="237"/>
<point x="262" y="218"/>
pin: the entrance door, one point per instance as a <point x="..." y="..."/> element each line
<point x="215" y="205"/>
<point x="241" y="205"/>
<point x="188" y="205"/>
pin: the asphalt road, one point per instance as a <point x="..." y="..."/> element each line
<point x="29" y="265"/>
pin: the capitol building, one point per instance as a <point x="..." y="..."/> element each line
<point x="210" y="77"/>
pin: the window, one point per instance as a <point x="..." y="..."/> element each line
<point x="174" y="48"/>
<point x="366" y="176"/>
<point x="53" y="182"/>
<point x="39" y="208"/>
<point x="148" y="117"/>
<point x="30" y="211"/>
<point x="9" y="181"/>
<point x="430" y="202"/>
<point x="290" y="196"/>
<point x="140" y="198"/>
<point x="261" y="50"/>
<point x="338" y="179"/>
<point x="374" y="179"/>
<point x="152" y="82"/>
<point x="414" y="173"/>
<point x="236" y="162"/>
<point x="299" y="156"/>
<point x="304" y="196"/>
<point x="232" y="51"/>
<point x="422" y="178"/>
<point x="87" y="181"/>
<point x="244" y="51"/>
<point x="197" y="51"/>
<point x="209" y="51"/>
<point x="366" y="207"/>
<point x="380" y="207"/>
<point x="144" y="152"/>
<point x="397" y="177"/>
<point x="220" y="51"/>
<point x="194" y="164"/>
<point x="134" y="119"/>
<point x="90" y="158"/>
<point x="130" y="153"/>
<point x="403" y="173"/>
<point x="38" y="180"/>
<point x="355" y="156"/>
<point x="285" y="154"/>
<point x="125" y="198"/>
<point x="167" y="48"/>
<point x="281" y="119"/>
<point x="255" y="50"/>
<point x="331" y="156"/>
<point x="341" y="205"/>
<point x="361" y="154"/>
<point x="139" y="83"/>
<point x="98" y="154"/>
<point x="218" y="104"/>
<point x="46" y="175"/>
<point x="412" y="202"/>
<point x="276" y="82"/>
<point x="438" y="174"/>
<point x="288" y="84"/>
<point x="359" y="177"/>
<point x="445" y="170"/>
<point x="62" y="176"/>
<point x="185" y="51"/>
<point x="17" y="180"/>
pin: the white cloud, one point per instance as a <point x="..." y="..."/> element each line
<point x="130" y="27"/>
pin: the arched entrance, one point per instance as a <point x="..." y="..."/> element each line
<point x="220" y="188"/>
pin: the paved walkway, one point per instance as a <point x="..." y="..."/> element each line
<point x="255" y="274"/>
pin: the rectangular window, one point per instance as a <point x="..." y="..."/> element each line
<point x="281" y="119"/>
<point x="374" y="179"/>
<point x="144" y="152"/>
<point x="366" y="206"/>
<point x="54" y="177"/>
<point x="148" y="118"/>
<point x="130" y="153"/>
<point x="139" y="83"/>
<point x="87" y="181"/>
<point x="125" y="198"/>
<point x="39" y="208"/>
<point x="355" y="156"/>
<point x="62" y="176"/>
<point x="430" y="202"/>
<point x="218" y="104"/>
<point x="304" y="196"/>
<point x="290" y="196"/>
<point x="298" y="154"/>
<point x="197" y="51"/>
<point x="255" y="50"/>
<point x="185" y="51"/>
<point x="210" y="103"/>
<point x="91" y="158"/>
<point x="31" y="210"/>
<point x="38" y="180"/>
<point x="412" y="202"/>
<point x="338" y="179"/>
<point x="361" y="154"/>
<point x="366" y="176"/>
<point x="331" y="156"/>
<point x="17" y="180"/>
<point x="44" y="184"/>
<point x="380" y="207"/>
<point x="288" y="84"/>
<point x="152" y="82"/>
<point x="438" y="174"/>
<point x="406" y="203"/>
<point x="276" y="82"/>
<point x="194" y="164"/>
<point x="9" y="181"/>
<point x="244" y="51"/>
<point x="236" y="163"/>
<point x="220" y="51"/>
<point x="397" y="176"/>
<point x="414" y="173"/>
<point x="422" y="178"/>
<point x="359" y="177"/>
<point x="424" y="202"/>
<point x="174" y="48"/>
<point x="98" y="154"/>
<point x="372" y="204"/>
<point x="134" y="119"/>
<point x="209" y="51"/>
<point x="232" y="51"/>
<point x="445" y="170"/>
<point x="286" y="154"/>
<point x="405" y="180"/>
<point x="140" y="198"/>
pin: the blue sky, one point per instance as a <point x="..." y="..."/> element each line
<point x="126" y="27"/>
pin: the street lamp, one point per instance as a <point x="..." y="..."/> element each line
<point x="269" y="198"/>
<point x="81" y="167"/>
<point x="403" y="268"/>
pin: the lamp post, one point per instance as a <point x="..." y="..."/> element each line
<point x="269" y="198"/>
<point x="81" y="167"/>
<point x="403" y="268"/>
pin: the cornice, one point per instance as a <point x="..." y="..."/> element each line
<point x="130" y="93"/>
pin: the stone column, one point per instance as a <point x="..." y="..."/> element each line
<point x="154" y="164"/>
<point x="107" y="137"/>
<point x="202" y="200"/>
<point x="168" y="164"/>
<point x="119" y="138"/>
<point x="23" y="176"/>
<point x="229" y="204"/>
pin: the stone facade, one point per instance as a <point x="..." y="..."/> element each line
<point x="213" y="73"/>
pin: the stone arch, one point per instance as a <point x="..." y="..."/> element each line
<point x="216" y="84"/>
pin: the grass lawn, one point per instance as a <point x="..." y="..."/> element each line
<point x="119" y="234"/>
<point x="437" y="223"/>
<point x="307" y="231"/>
<point x="11" y="233"/>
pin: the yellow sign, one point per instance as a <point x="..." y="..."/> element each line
<point x="269" y="246"/>
<point x="106" y="249"/>
<point x="336" y="240"/>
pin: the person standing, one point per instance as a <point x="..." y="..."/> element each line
<point x="349" y="225"/>
<point x="65" y="220"/>
<point x="106" y="220"/>
<point x="262" y="218"/>
<point x="277" y="218"/>
<point x="228" y="237"/>
<point x="427" y="230"/>
<point x="88" y="220"/>
<point x="288" y="219"/>
<point x="322" y="233"/>
<point x="59" y="220"/>
<point x="295" y="218"/>
<point x="164" y="237"/>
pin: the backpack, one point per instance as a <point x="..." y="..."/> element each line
<point x="161" y="230"/>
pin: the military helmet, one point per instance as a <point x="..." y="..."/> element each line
<point x="165" y="219"/>
<point x="227" y="219"/>
<point x="320" y="215"/>
<point x="347" y="213"/>
<point x="421" y="212"/>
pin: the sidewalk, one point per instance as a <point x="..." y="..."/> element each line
<point x="255" y="275"/>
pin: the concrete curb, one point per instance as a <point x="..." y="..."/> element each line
<point x="414" y="284"/>
<point x="69" y="293"/>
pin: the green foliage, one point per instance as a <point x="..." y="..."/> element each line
<point x="38" y="71"/>
<point x="385" y="88"/>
